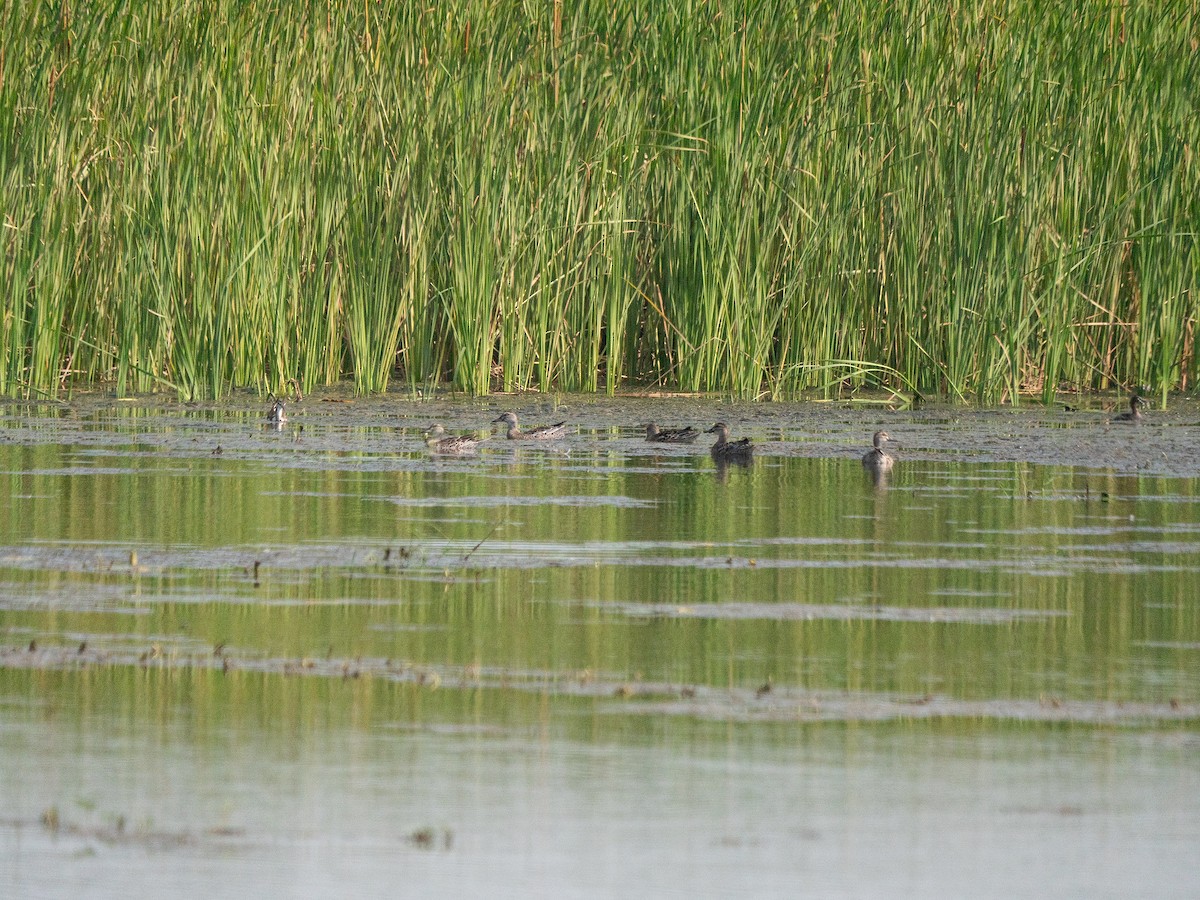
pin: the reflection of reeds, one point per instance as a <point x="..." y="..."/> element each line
<point x="968" y="200"/>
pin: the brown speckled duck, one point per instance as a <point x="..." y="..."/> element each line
<point x="671" y="435"/>
<point x="439" y="442"/>
<point x="541" y="433"/>
<point x="725" y="449"/>
<point x="876" y="460"/>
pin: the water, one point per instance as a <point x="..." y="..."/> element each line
<point x="322" y="661"/>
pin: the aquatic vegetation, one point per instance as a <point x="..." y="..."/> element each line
<point x="980" y="200"/>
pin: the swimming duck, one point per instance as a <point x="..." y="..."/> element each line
<point x="671" y="435"/>
<point x="1134" y="416"/>
<point x="876" y="460"/>
<point x="726" y="449"/>
<point x="541" y="433"/>
<point x="276" y="416"/>
<point x="439" y="442"/>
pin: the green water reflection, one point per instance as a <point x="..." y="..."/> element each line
<point x="977" y="582"/>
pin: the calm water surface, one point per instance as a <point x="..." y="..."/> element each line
<point x="321" y="661"/>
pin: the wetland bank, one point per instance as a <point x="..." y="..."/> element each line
<point x="301" y="659"/>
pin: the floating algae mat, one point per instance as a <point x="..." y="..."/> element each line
<point x="322" y="658"/>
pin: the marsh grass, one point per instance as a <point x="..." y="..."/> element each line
<point x="981" y="200"/>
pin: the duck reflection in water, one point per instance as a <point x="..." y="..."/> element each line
<point x="725" y="463"/>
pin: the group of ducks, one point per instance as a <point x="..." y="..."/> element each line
<point x="723" y="449"/>
<point x="877" y="461"/>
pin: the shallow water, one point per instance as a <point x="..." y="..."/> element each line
<point x="322" y="660"/>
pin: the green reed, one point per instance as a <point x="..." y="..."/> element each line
<point x="981" y="200"/>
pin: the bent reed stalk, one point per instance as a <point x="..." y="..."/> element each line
<point x="975" y="199"/>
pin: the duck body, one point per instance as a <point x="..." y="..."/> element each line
<point x="541" y="433"/>
<point x="686" y="435"/>
<point x="438" y="441"/>
<point x="276" y="415"/>
<point x="725" y="449"/>
<point x="1134" y="416"/>
<point x="876" y="459"/>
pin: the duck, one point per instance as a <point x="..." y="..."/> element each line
<point x="724" y="449"/>
<point x="876" y="460"/>
<point x="686" y="435"/>
<point x="439" y="442"/>
<point x="540" y="433"/>
<point x="276" y="415"/>
<point x="1134" y="416"/>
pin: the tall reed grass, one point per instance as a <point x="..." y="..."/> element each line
<point x="982" y="199"/>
